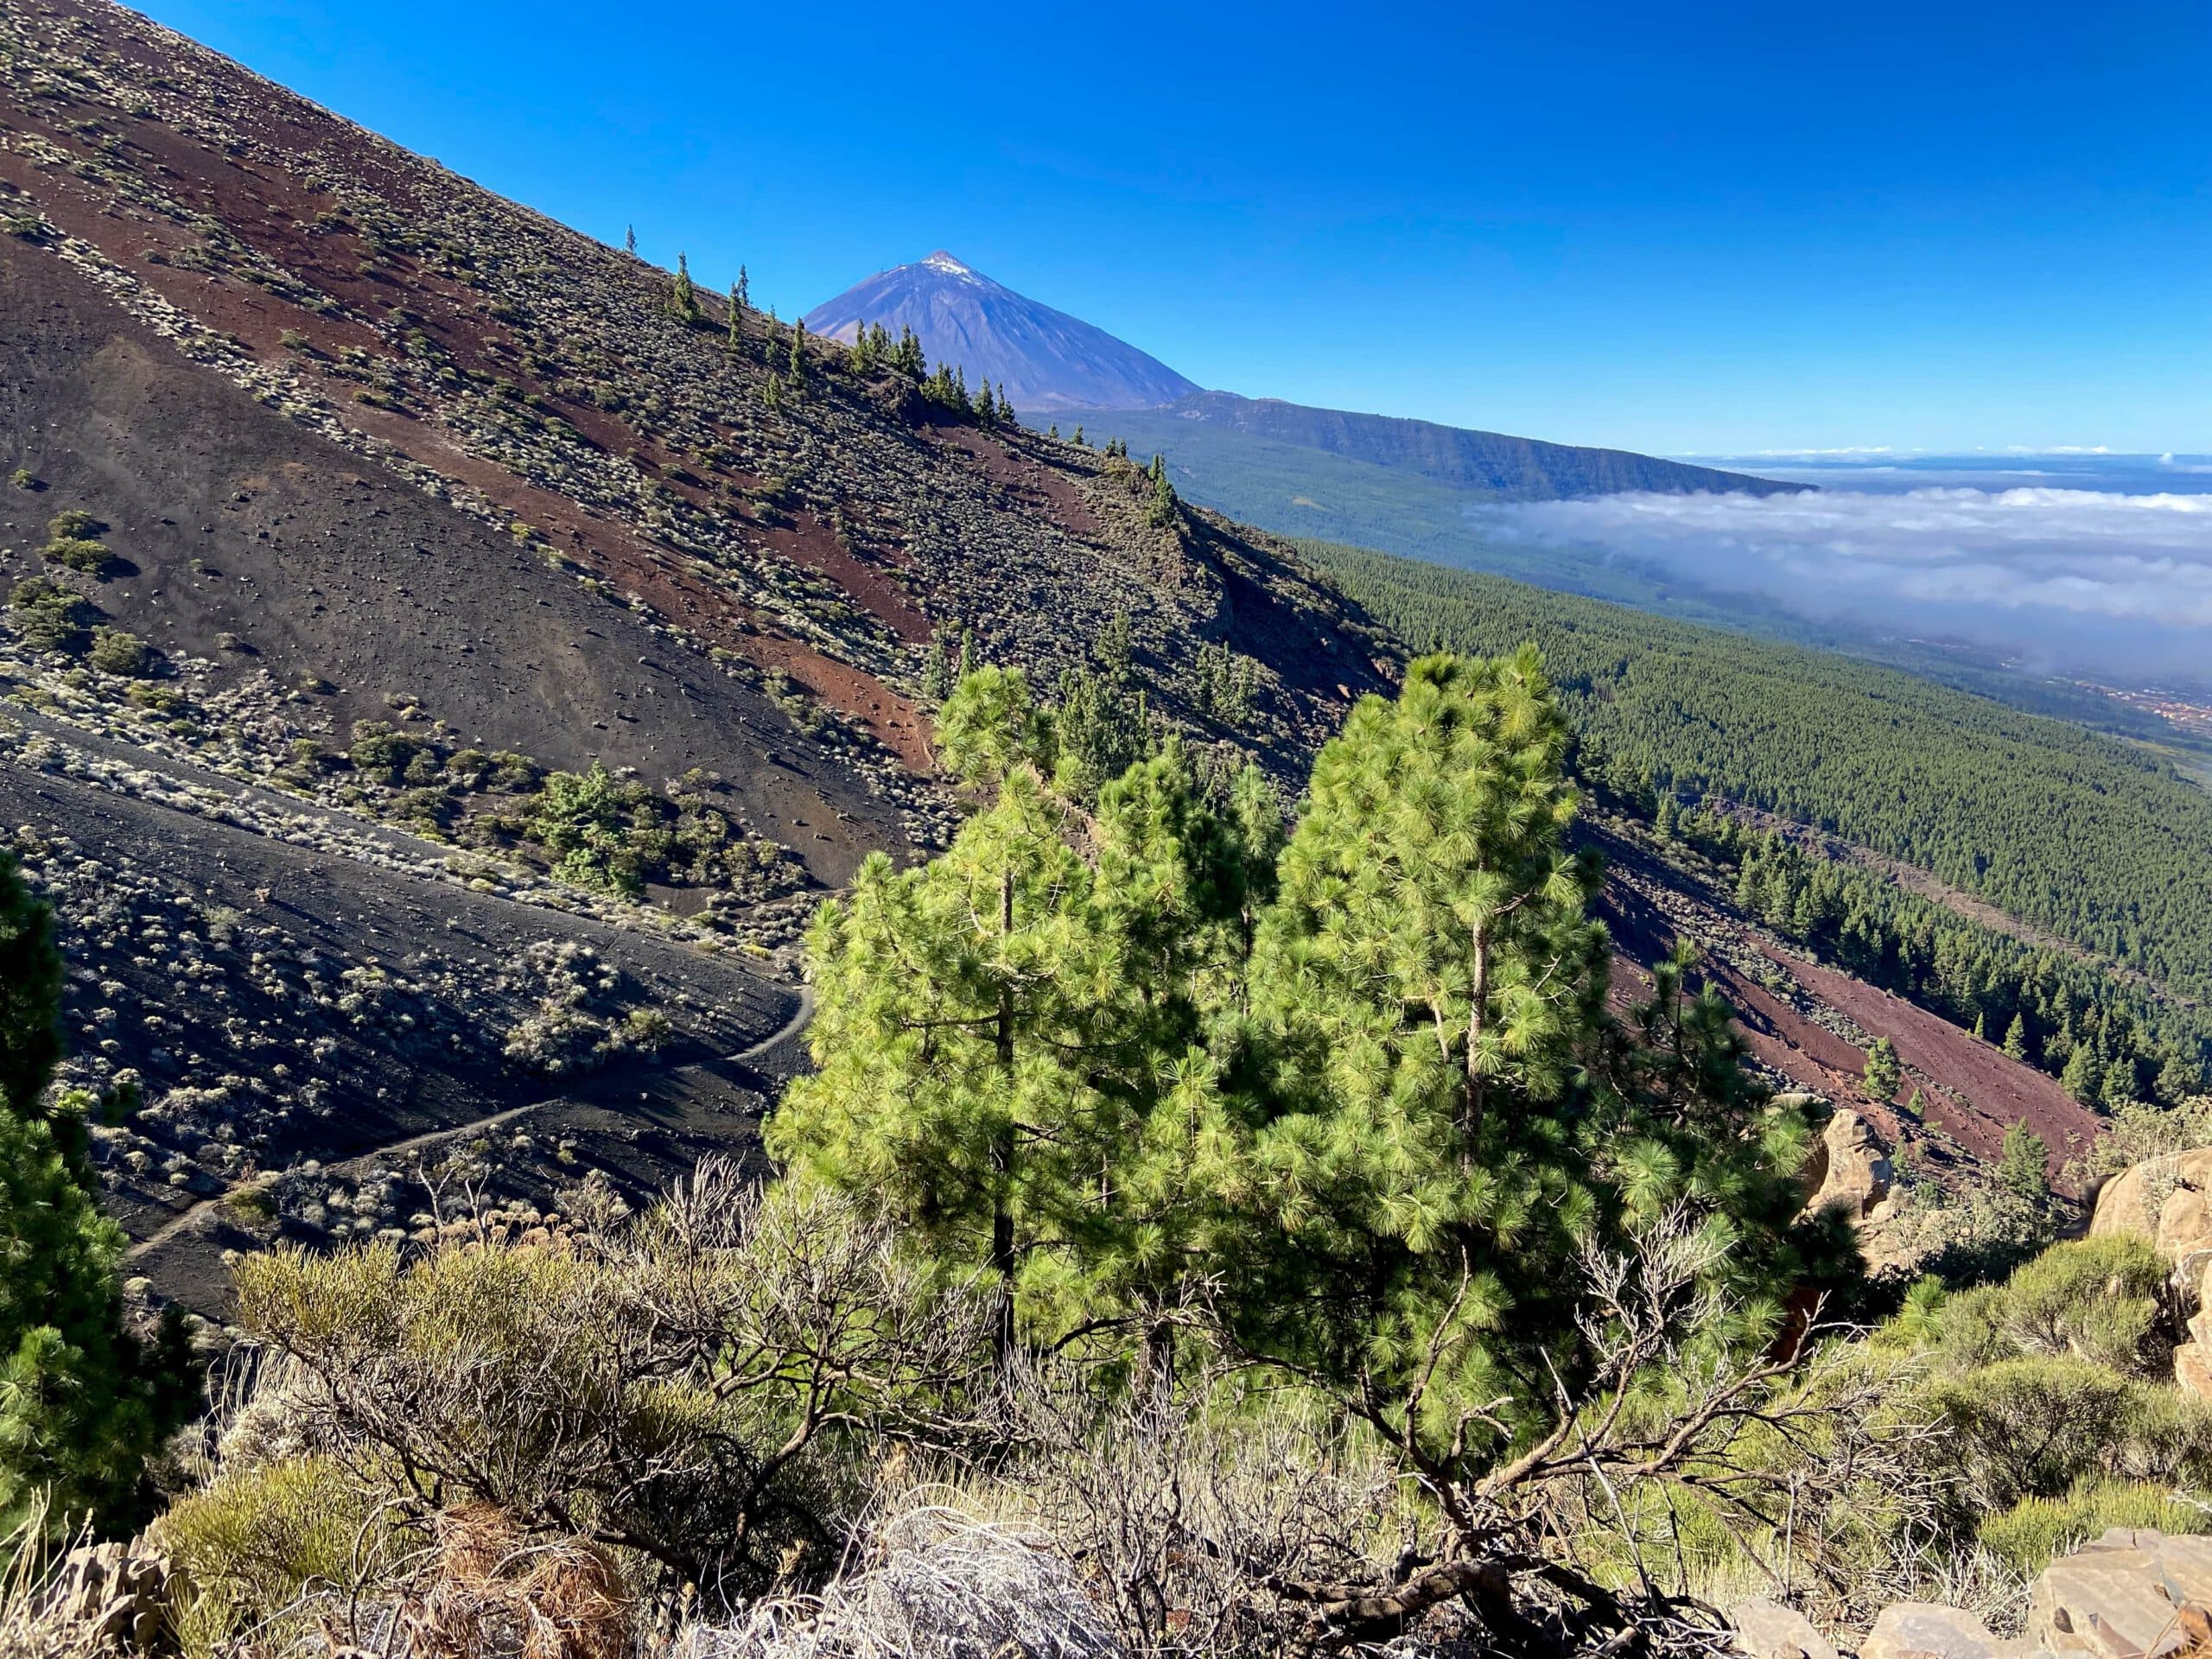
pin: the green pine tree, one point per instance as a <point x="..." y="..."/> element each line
<point x="1884" y="1073"/>
<point x="2082" y="1077"/>
<point x="1447" y="1121"/>
<point x="1162" y="511"/>
<point x="734" y="343"/>
<point x="799" y="355"/>
<point x="937" y="670"/>
<point x="682" y="302"/>
<point x="2178" y="1079"/>
<point x="2015" y="1038"/>
<point x="2022" y="1164"/>
<point x="83" y="1404"/>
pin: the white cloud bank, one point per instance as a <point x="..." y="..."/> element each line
<point x="2108" y="580"/>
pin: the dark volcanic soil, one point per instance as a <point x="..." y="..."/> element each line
<point x="312" y="999"/>
<point x="228" y="519"/>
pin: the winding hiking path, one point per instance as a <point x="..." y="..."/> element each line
<point x="186" y="1219"/>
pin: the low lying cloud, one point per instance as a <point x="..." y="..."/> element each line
<point x="2114" y="583"/>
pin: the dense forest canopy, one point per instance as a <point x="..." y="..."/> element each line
<point x="2063" y="828"/>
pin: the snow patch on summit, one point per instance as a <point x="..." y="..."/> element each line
<point x="952" y="267"/>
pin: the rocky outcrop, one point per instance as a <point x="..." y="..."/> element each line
<point x="2168" y="1200"/>
<point x="2130" y="1595"/>
<point x="106" y="1597"/>
<point x="1767" y="1629"/>
<point x="1919" y="1630"/>
<point x="1850" y="1169"/>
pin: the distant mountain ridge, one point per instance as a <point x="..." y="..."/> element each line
<point x="1492" y="463"/>
<point x="1050" y="364"/>
<point x="1040" y="358"/>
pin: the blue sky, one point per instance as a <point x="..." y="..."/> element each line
<point x="1712" y="228"/>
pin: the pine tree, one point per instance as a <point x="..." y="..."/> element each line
<point x="2082" y="1077"/>
<point x="629" y="241"/>
<point x="1078" y="439"/>
<point x="1116" y="648"/>
<point x="937" y="670"/>
<point x="799" y="353"/>
<point x="949" y="1000"/>
<point x="2178" y="1079"/>
<point x="1161" y="513"/>
<point x="734" y="345"/>
<point x="683" y="302"/>
<point x="2120" y="1082"/>
<point x="1055" y="432"/>
<point x="2022" y="1164"/>
<point x="1446" y="1123"/>
<point x="909" y="359"/>
<point x="82" y="1403"/>
<point x="743" y="288"/>
<point x="2015" y="1038"/>
<point x="1009" y="1037"/>
<point x="1883" y="1074"/>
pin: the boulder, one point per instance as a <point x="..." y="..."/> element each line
<point x="1767" y="1629"/>
<point x="1919" y="1630"/>
<point x="2132" y="1594"/>
<point x="2169" y="1201"/>
<point x="1851" y="1171"/>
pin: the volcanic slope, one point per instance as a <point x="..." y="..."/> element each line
<point x="356" y="516"/>
<point x="447" y="668"/>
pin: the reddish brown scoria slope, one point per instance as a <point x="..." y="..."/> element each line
<point x="534" y="380"/>
<point x="1811" y="1024"/>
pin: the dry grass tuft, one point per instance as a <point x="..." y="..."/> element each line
<point x="490" y="1593"/>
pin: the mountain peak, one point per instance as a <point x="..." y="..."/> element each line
<point x="944" y="262"/>
<point x="1040" y="358"/>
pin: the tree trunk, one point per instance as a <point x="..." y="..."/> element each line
<point x="1471" y="1107"/>
<point x="1002" y="1262"/>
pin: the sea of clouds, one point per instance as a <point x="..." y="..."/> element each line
<point x="2117" y="585"/>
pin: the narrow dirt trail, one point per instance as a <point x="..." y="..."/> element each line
<point x="186" y="1219"/>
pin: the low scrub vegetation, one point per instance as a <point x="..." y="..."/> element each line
<point x="1195" y="1237"/>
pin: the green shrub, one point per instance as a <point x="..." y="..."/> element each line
<point x="2101" y="1300"/>
<point x="381" y="752"/>
<point x="2035" y="1428"/>
<point x="76" y="554"/>
<point x="49" y="616"/>
<point x="23" y="478"/>
<point x="589" y="821"/>
<point x="116" y="652"/>
<point x="71" y="523"/>
<point x="251" y="1542"/>
<point x="2034" y="1531"/>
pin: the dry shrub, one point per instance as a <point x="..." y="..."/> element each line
<point x="703" y="1394"/>
<point x="934" y="1583"/>
<point x="1186" y="1516"/>
<point x="491" y="1593"/>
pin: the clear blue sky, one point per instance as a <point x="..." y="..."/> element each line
<point x="1717" y="228"/>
